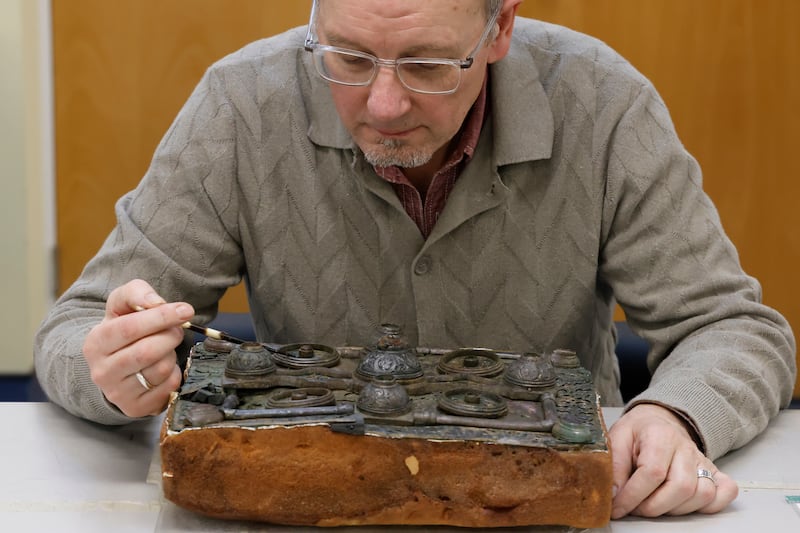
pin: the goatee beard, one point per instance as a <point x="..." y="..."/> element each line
<point x="394" y="153"/>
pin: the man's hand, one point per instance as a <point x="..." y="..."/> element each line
<point x="656" y="465"/>
<point x="128" y="342"/>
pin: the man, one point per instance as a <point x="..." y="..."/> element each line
<point x="506" y="195"/>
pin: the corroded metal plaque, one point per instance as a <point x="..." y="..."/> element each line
<point x="393" y="389"/>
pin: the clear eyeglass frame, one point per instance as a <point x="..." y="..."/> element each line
<point x="446" y="70"/>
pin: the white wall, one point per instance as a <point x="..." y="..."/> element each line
<point x="27" y="213"/>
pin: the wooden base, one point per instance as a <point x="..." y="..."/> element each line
<point x="310" y="475"/>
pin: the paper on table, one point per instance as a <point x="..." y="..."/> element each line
<point x="794" y="501"/>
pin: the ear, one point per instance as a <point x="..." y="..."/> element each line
<point x="499" y="47"/>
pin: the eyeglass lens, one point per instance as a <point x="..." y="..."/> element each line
<point x="356" y="69"/>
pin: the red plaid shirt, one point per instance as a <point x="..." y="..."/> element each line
<point x="425" y="214"/>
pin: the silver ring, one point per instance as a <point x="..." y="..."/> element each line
<point x="703" y="473"/>
<point x="146" y="384"/>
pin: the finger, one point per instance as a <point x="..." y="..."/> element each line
<point x="153" y="320"/>
<point x="135" y="294"/>
<point x="109" y="370"/>
<point x="705" y="491"/>
<point x="680" y="490"/>
<point x="114" y="334"/>
<point x="710" y="496"/>
<point x="726" y="491"/>
<point x="655" y="453"/>
<point x="157" y="392"/>
<point x="622" y="458"/>
<point x="155" y="352"/>
<point x="136" y="401"/>
<point x="158" y="372"/>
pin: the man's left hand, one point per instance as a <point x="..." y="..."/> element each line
<point x="657" y="467"/>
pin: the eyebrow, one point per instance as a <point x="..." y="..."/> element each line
<point x="425" y="50"/>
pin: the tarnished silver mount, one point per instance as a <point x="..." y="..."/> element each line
<point x="392" y="389"/>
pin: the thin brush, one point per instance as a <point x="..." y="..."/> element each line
<point x="208" y="332"/>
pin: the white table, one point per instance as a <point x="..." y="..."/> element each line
<point x="64" y="474"/>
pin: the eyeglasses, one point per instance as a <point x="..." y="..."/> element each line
<point x="426" y="75"/>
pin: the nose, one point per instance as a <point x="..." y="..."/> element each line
<point x="388" y="98"/>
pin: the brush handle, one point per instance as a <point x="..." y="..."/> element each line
<point x="208" y="332"/>
<point x="213" y="333"/>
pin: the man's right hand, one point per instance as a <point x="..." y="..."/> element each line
<point x="138" y="334"/>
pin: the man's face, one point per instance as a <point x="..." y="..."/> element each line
<point x="391" y="124"/>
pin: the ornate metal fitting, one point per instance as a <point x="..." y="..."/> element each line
<point x="217" y="345"/>
<point x="248" y="360"/>
<point x="571" y="429"/>
<point x="531" y="370"/>
<point x="392" y="356"/>
<point x="565" y="359"/>
<point x="384" y="396"/>
<point x="391" y="338"/>
<point x="472" y="361"/>
<point x="305" y="397"/>
<point x="306" y="355"/>
<point x="468" y="402"/>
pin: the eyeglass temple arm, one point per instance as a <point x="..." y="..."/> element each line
<point x="308" y="44"/>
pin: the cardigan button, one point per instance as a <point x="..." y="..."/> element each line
<point x="423" y="266"/>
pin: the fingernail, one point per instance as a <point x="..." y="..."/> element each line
<point x="613" y="492"/>
<point x="184" y="311"/>
<point x="153" y="299"/>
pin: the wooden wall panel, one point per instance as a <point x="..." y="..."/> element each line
<point x="123" y="68"/>
<point x="729" y="71"/>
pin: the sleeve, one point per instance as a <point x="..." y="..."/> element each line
<point x="177" y="230"/>
<point x="719" y="357"/>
